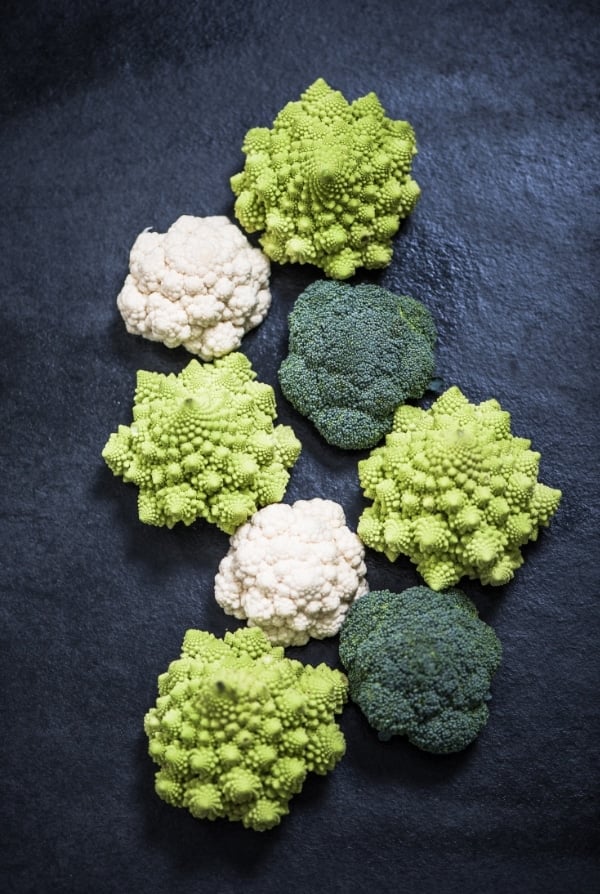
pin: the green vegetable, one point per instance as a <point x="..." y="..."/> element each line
<point x="329" y="183"/>
<point x="237" y="727"/>
<point x="355" y="353"/>
<point x="419" y="665"/>
<point x="455" y="491"/>
<point x="202" y="445"/>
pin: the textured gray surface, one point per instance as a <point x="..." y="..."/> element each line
<point x="121" y="116"/>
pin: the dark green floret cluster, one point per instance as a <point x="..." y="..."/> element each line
<point x="420" y="664"/>
<point x="355" y="354"/>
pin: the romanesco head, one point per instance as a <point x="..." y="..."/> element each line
<point x="329" y="183"/>
<point x="202" y="444"/>
<point x="355" y="354"/>
<point x="455" y="491"/>
<point x="237" y="727"/>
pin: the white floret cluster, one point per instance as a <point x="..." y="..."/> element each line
<point x="293" y="571"/>
<point x="201" y="285"/>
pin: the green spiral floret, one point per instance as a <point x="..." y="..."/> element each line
<point x="455" y="491"/>
<point x="329" y="183"/>
<point x="420" y="664"/>
<point x="202" y="444"/>
<point x="237" y="727"/>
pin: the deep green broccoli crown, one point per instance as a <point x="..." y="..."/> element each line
<point x="329" y="183"/>
<point x="237" y="727"/>
<point x="420" y="664"/>
<point x="355" y="354"/>
<point x="455" y="491"/>
<point x="203" y="445"/>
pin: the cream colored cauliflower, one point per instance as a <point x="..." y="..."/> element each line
<point x="201" y="285"/>
<point x="293" y="571"/>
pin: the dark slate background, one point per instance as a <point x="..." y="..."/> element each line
<point x="118" y="116"/>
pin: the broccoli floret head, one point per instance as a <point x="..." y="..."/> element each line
<point x="355" y="354"/>
<point x="420" y="664"/>
<point x="237" y="727"/>
<point x="455" y="491"/>
<point x="203" y="445"/>
<point x="329" y="183"/>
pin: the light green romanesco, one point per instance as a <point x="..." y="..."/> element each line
<point x="329" y="183"/>
<point x="203" y="445"/>
<point x="237" y="727"/>
<point x="455" y="491"/>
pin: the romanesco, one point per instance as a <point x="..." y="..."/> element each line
<point x="237" y="727"/>
<point x="203" y="445"/>
<point x="329" y="183"/>
<point x="455" y="491"/>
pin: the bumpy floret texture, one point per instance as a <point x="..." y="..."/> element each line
<point x="237" y="727"/>
<point x="329" y="183"/>
<point x="420" y="664"/>
<point x="355" y="354"/>
<point x="201" y="285"/>
<point x="455" y="491"/>
<point x="202" y="444"/>
<point x="293" y="571"/>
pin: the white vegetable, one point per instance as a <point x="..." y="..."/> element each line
<point x="201" y="285"/>
<point x="293" y="571"/>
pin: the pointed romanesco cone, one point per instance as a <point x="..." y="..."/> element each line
<point x="329" y="183"/>
<point x="455" y="491"/>
<point x="237" y="727"/>
<point x="203" y="445"/>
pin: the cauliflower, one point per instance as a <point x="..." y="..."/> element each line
<point x="201" y="285"/>
<point x="293" y="571"/>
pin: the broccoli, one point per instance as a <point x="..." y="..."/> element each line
<point x="329" y="183"/>
<point x="455" y="491"/>
<point x="237" y="727"/>
<point x="203" y="445"/>
<point x="355" y="354"/>
<point x="419" y="665"/>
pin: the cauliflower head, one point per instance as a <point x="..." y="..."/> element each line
<point x="201" y="285"/>
<point x="455" y="491"/>
<point x="202" y="444"/>
<point x="355" y="354"/>
<point x="237" y="727"/>
<point x="329" y="183"/>
<point x="293" y="571"/>
<point x="420" y="664"/>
